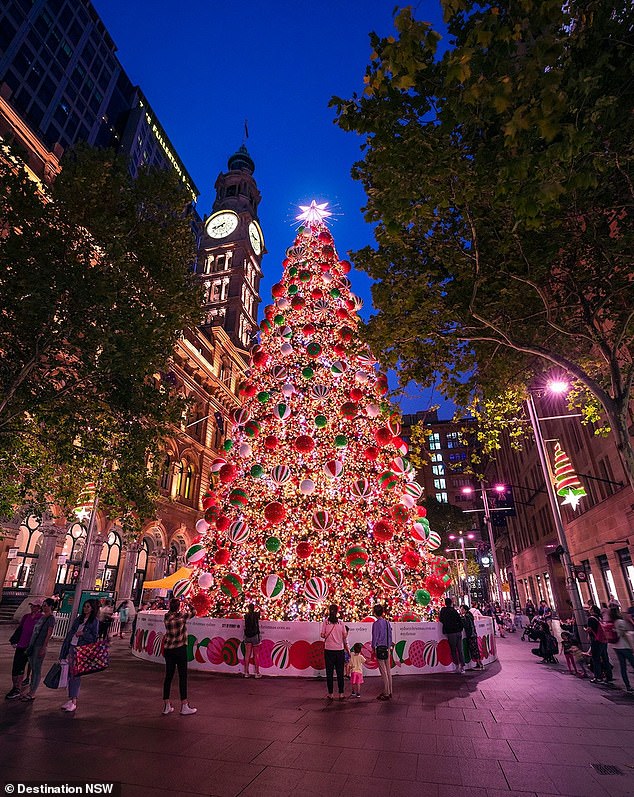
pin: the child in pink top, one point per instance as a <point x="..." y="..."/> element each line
<point x="356" y="669"/>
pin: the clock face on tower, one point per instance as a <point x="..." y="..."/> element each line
<point x="222" y="224"/>
<point x="255" y="236"/>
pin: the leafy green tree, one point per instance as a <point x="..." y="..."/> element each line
<point x="95" y="288"/>
<point x="446" y="518"/>
<point x="499" y="178"/>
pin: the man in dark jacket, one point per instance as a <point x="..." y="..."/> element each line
<point x="452" y="629"/>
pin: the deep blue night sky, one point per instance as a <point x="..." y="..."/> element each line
<point x="206" y="66"/>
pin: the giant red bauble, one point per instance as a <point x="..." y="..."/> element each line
<point x="342" y="313"/>
<point x="411" y="559"/>
<point x="400" y="513"/>
<point x="309" y="330"/>
<point x="298" y="302"/>
<point x="345" y="266"/>
<point x="260" y="359"/>
<point x="221" y="557"/>
<point x="304" y="550"/>
<point x="339" y="349"/>
<point x="383" y="436"/>
<point x="435" y="586"/>
<point x="271" y="442"/>
<point x="316" y="293"/>
<point x="274" y="512"/>
<point x="371" y="453"/>
<point x="269" y="311"/>
<point x="324" y="237"/>
<point x="349" y="409"/>
<point x="212" y="514"/>
<point x="350" y="304"/>
<point x="227" y="473"/>
<point x="304" y="443"/>
<point x="278" y="290"/>
<point x="383" y="530"/>
<point x="222" y="523"/>
<point x="355" y="394"/>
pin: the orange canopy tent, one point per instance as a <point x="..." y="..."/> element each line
<point x="169" y="581"/>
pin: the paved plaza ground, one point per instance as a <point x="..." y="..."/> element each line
<point x="520" y="727"/>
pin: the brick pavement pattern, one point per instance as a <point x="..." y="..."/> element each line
<point x="519" y="728"/>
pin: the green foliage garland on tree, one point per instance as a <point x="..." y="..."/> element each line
<point x="498" y="174"/>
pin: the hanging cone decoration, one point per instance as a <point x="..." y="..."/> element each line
<point x="567" y="482"/>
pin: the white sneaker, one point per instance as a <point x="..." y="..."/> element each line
<point x="246" y="675"/>
<point x="257" y="675"/>
<point x="68" y="706"/>
<point x="71" y="708"/>
<point x="187" y="709"/>
<point x="168" y="709"/>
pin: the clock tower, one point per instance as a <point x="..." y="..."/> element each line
<point x="230" y="253"/>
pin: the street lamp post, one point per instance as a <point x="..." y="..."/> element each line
<point x="575" y="599"/>
<point x="462" y="550"/>
<point x="489" y="525"/>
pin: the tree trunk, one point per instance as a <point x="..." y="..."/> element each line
<point x="618" y="416"/>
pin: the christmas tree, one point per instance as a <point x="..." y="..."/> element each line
<point x="567" y="482"/>
<point x="315" y="500"/>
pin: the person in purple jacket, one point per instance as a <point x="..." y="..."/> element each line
<point x="20" y="639"/>
<point x="382" y="645"/>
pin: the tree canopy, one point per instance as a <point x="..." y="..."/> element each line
<point x="95" y="287"/>
<point x="498" y="174"/>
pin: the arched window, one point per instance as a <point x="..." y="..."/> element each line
<point x="178" y="478"/>
<point x="22" y="566"/>
<point x="188" y="480"/>
<point x="140" y="571"/>
<point x="109" y="562"/>
<point x="165" y="474"/>
<point x="73" y="550"/>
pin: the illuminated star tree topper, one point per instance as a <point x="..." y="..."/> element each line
<point x="314" y="214"/>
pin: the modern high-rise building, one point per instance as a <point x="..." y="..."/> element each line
<point x="59" y="72"/>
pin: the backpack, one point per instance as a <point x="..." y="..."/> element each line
<point x="610" y="633"/>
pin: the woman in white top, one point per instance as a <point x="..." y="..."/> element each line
<point x="335" y="637"/>
<point x="622" y="647"/>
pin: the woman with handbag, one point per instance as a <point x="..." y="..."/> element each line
<point x="251" y="640"/>
<point x="335" y="637"/>
<point x="83" y="631"/>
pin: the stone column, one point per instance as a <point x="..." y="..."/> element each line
<point x="161" y="565"/>
<point x="10" y="528"/>
<point x="92" y="560"/>
<point x="127" y="572"/>
<point x="44" y="576"/>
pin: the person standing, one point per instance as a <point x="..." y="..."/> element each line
<point x="252" y="640"/>
<point x="104" y="615"/>
<point x="83" y="631"/>
<point x="382" y="645"/>
<point x="38" y="646"/>
<point x="21" y="639"/>
<point x="452" y="628"/>
<point x="356" y="669"/>
<point x="127" y="613"/>
<point x="529" y="610"/>
<point x="175" y="652"/>
<point x="471" y="636"/>
<point x="335" y="637"/>
<point x="622" y="647"/>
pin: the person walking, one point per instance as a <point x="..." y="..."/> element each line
<point x="175" y="653"/>
<point x="21" y="639"/>
<point x="83" y="631"/>
<point x="38" y="646"/>
<point x="335" y="637"/>
<point x="127" y="613"/>
<point x="601" y="668"/>
<point x="622" y="646"/>
<point x="252" y="640"/>
<point x="104" y="615"/>
<point x="382" y="645"/>
<point x="471" y="636"/>
<point x="529" y="610"/>
<point x="452" y="628"/>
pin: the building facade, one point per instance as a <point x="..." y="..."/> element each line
<point x="60" y="74"/>
<point x="599" y="532"/>
<point x="61" y="83"/>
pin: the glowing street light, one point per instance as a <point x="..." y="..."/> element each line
<point x="558" y="386"/>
